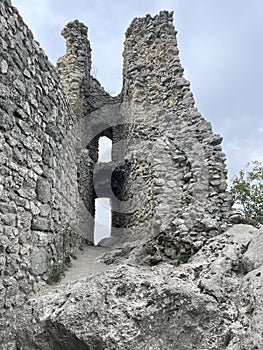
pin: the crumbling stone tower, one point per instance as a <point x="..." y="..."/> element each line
<point x="173" y="183"/>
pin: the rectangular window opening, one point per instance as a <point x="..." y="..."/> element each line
<point x="103" y="219"/>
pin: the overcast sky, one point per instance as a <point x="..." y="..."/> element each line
<point x="221" y="49"/>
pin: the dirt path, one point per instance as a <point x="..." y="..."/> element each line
<point x="87" y="264"/>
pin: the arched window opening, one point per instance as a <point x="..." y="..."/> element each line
<point x="105" y="149"/>
<point x="102" y="219"/>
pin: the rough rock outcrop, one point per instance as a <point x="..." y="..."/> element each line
<point x="212" y="302"/>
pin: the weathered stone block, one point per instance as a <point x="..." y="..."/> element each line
<point x="39" y="258"/>
<point x="159" y="182"/>
<point x="24" y="220"/>
<point x="4" y="66"/>
<point x="8" y="219"/>
<point x="43" y="190"/>
<point x="6" y="122"/>
<point x="6" y="208"/>
<point x="41" y="224"/>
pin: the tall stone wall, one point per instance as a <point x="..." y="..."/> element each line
<point x="38" y="172"/>
<point x="179" y="159"/>
<point x="170" y="179"/>
<point x="95" y="111"/>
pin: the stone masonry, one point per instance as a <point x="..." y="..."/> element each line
<point x="180" y="156"/>
<point x="168" y="164"/>
<point x="167" y="177"/>
<point x="38" y="172"/>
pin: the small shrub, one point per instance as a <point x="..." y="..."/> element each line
<point x="56" y="274"/>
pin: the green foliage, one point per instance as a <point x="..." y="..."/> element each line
<point x="59" y="268"/>
<point x="56" y="274"/>
<point x="247" y="191"/>
<point x="69" y="240"/>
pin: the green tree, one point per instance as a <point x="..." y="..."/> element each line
<point x="247" y="191"/>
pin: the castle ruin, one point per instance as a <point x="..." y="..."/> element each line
<point x="167" y="177"/>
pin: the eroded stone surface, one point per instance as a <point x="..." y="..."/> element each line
<point x="209" y="303"/>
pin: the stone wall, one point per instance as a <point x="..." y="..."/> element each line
<point x="38" y="173"/>
<point x="174" y="185"/>
<point x="84" y="92"/>
<point x="178" y="157"/>
<point x="87" y="99"/>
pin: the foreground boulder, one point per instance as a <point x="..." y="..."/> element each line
<point x="215" y="301"/>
